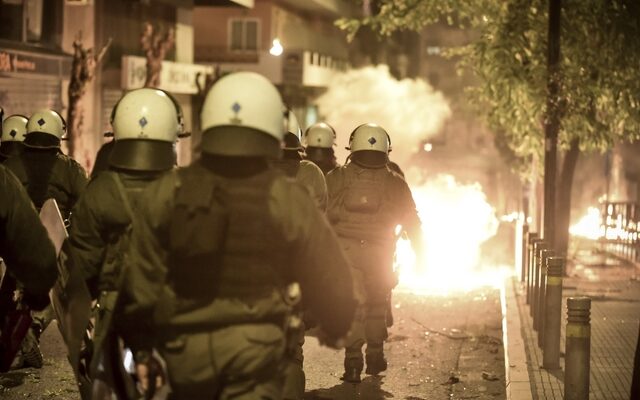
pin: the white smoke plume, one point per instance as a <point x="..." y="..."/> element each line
<point x="409" y="109"/>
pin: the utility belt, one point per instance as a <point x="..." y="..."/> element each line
<point x="289" y="320"/>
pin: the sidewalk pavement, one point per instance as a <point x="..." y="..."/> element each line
<point x="614" y="289"/>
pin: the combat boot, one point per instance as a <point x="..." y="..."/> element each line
<point x="376" y="363"/>
<point x="352" y="370"/>
<point x="30" y="355"/>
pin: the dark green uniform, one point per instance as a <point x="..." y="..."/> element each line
<point x="365" y="206"/>
<point x="102" y="158"/>
<point x="323" y="158"/>
<point x="311" y="177"/>
<point x="308" y="175"/>
<point x="49" y="174"/>
<point x="101" y="222"/>
<point x="24" y="243"/>
<point x="211" y="259"/>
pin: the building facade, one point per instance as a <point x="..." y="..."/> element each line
<point x="294" y="43"/>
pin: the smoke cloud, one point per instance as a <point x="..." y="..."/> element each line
<point x="409" y="109"/>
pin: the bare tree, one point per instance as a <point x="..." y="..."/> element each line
<point x="155" y="45"/>
<point x="82" y="73"/>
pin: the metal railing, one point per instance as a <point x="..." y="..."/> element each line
<point x="620" y="229"/>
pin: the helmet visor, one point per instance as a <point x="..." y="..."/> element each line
<point x="142" y="155"/>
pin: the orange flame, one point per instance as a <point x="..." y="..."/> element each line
<point x="590" y="226"/>
<point x="456" y="220"/>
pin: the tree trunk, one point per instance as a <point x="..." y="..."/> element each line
<point x="552" y="120"/>
<point x="74" y="124"/>
<point x="563" y="211"/>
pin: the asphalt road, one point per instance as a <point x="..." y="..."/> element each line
<point x="439" y="348"/>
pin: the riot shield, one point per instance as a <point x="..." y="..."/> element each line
<point x="69" y="296"/>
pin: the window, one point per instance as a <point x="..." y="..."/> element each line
<point x="244" y="34"/>
<point x="32" y="21"/>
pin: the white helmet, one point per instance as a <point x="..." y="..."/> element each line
<point x="45" y="129"/>
<point x="147" y="113"/>
<point x="320" y="135"/>
<point x="293" y="134"/>
<point x="242" y="116"/>
<point x="146" y="124"/>
<point x="369" y="137"/>
<point x="14" y="128"/>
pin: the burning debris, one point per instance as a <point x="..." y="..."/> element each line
<point x="457" y="219"/>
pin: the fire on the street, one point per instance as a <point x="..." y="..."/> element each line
<point x="456" y="220"/>
<point x="589" y="226"/>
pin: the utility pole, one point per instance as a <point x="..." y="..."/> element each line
<point x="552" y="121"/>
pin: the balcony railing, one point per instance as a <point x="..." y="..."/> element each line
<point x="222" y="54"/>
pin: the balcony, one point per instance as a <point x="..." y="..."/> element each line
<point x="294" y="67"/>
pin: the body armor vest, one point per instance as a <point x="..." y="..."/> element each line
<point x="120" y="233"/>
<point x="366" y="212"/>
<point x="223" y="241"/>
<point x="327" y="163"/>
<point x="42" y="172"/>
<point x="290" y="167"/>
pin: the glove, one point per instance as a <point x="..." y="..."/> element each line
<point x="36" y="302"/>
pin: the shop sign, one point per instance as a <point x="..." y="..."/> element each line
<point x="17" y="62"/>
<point x="175" y="77"/>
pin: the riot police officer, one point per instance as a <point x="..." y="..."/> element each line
<point x="47" y="173"/>
<point x="311" y="177"/>
<point x="146" y="124"/>
<point x="14" y="129"/>
<point x="25" y="249"/>
<point x="222" y="250"/>
<point x="292" y="164"/>
<point x="42" y="168"/>
<point x="320" y="139"/>
<point x="366" y="203"/>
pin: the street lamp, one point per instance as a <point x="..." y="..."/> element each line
<point x="276" y="48"/>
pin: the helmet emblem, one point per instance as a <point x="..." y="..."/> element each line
<point x="13" y="133"/>
<point x="143" y="122"/>
<point x="41" y="121"/>
<point x="236" y="107"/>
<point x="372" y="140"/>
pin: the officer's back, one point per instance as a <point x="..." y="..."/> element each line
<point x="220" y="249"/>
<point x="293" y="165"/>
<point x="43" y="169"/>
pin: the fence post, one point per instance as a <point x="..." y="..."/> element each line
<point x="533" y="236"/>
<point x="536" y="282"/>
<point x="553" y="313"/>
<point x="525" y="240"/>
<point x="578" y="357"/>
<point x="538" y="319"/>
<point x="537" y="245"/>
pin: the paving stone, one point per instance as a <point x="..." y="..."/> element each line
<point x="615" y="316"/>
